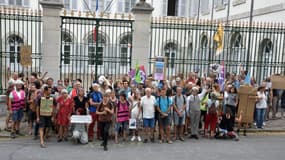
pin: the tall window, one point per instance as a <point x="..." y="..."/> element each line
<point x="170" y="50"/>
<point x="204" y="6"/>
<point x="182" y="8"/>
<point x="265" y="56"/>
<point x="194" y="8"/>
<point x="71" y="4"/>
<point x="220" y="3"/>
<point x="66" y="52"/>
<point x="125" y="49"/>
<point x="22" y="3"/>
<point x="164" y="8"/>
<point x="236" y="50"/>
<point x="125" y="6"/>
<point x="14" y="42"/>
<point x="93" y="56"/>
<point x="172" y="7"/>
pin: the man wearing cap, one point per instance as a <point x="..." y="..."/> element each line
<point x="16" y="106"/>
<point x="95" y="100"/>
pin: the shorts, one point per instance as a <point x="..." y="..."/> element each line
<point x="179" y="121"/>
<point x="148" y="122"/>
<point x="123" y="125"/>
<point x="45" y="122"/>
<point x="32" y="116"/>
<point x="17" y="115"/>
<point x="164" y="122"/>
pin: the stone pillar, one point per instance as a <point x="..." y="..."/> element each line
<point x="141" y="36"/>
<point x="51" y="37"/>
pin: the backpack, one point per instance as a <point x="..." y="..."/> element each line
<point x="184" y="99"/>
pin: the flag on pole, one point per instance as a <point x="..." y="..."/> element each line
<point x="97" y="5"/>
<point x="94" y="35"/>
<point x="222" y="76"/>
<point x="218" y="38"/>
<point x="137" y="76"/>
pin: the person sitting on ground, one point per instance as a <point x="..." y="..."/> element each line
<point x="226" y="126"/>
<point x="79" y="134"/>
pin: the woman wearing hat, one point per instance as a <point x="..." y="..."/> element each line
<point x="64" y="107"/>
<point x="16" y="106"/>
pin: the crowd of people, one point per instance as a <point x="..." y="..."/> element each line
<point x="166" y="109"/>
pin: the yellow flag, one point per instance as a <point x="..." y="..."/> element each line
<point x="218" y="37"/>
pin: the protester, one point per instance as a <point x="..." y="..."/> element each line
<point x="45" y="110"/>
<point x="179" y="114"/>
<point x="193" y="103"/>
<point x="122" y="116"/>
<point x="79" y="133"/>
<point x="16" y="107"/>
<point x="94" y="101"/>
<point x="105" y="111"/>
<point x="135" y="110"/>
<point x="148" y="109"/>
<point x="64" y="111"/>
<point x="164" y="104"/>
<point x="261" y="106"/>
<point x="80" y="101"/>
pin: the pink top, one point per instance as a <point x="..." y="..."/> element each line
<point x="123" y="112"/>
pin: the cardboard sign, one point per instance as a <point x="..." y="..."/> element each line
<point x="25" y="55"/>
<point x="159" y="68"/>
<point x="46" y="107"/>
<point x="132" y="124"/>
<point x="246" y="103"/>
<point x="278" y="82"/>
<point x="80" y="119"/>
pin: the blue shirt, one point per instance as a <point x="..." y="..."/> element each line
<point x="97" y="98"/>
<point x="164" y="104"/>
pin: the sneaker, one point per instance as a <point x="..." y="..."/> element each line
<point x="145" y="141"/>
<point x="139" y="139"/>
<point x="12" y="135"/>
<point x="133" y="138"/>
<point x="181" y="139"/>
<point x="264" y="124"/>
<point x="105" y="148"/>
<point x="152" y="140"/>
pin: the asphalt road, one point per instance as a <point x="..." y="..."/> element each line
<point x="253" y="147"/>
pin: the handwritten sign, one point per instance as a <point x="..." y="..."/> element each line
<point x="25" y="55"/>
<point x="159" y="68"/>
<point x="246" y="103"/>
<point x="278" y="82"/>
<point x="132" y="124"/>
<point x="46" y="106"/>
<point x="80" y="119"/>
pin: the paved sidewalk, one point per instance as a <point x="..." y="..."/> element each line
<point x="277" y="125"/>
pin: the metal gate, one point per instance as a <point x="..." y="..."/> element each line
<point x="19" y="27"/>
<point x="189" y="46"/>
<point x="91" y="47"/>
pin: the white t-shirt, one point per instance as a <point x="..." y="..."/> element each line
<point x="262" y="102"/>
<point x="147" y="104"/>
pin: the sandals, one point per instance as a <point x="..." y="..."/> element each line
<point x="43" y="146"/>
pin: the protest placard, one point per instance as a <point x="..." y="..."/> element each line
<point x="246" y="103"/>
<point x="278" y="82"/>
<point x="80" y="119"/>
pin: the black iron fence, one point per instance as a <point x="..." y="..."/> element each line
<point x="189" y="46"/>
<point x="91" y="47"/>
<point x="19" y="27"/>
